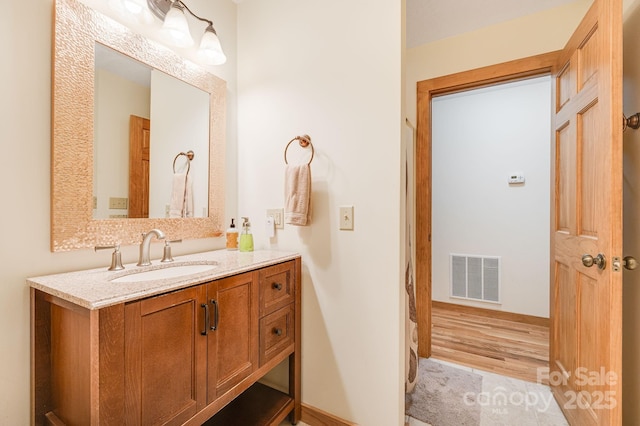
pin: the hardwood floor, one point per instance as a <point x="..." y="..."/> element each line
<point x="508" y="344"/>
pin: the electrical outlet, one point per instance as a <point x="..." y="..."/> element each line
<point x="278" y="217"/>
<point x="118" y="203"/>
<point x="346" y="218"/>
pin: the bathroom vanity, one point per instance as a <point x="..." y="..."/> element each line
<point x="185" y="342"/>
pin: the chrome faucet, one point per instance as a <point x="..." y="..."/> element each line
<point x="145" y="245"/>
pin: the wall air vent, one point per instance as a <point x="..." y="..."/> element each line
<point x="475" y="277"/>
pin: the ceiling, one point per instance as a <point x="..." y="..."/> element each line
<point x="431" y="20"/>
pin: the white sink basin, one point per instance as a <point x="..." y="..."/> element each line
<point x="164" y="272"/>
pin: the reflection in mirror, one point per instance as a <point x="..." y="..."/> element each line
<point x="143" y="120"/>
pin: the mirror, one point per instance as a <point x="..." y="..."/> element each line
<point x="144" y="120"/>
<point x="77" y="30"/>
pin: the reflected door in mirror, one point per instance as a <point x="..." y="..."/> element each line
<point x="139" y="148"/>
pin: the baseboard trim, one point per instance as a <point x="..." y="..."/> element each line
<point x="316" y="417"/>
<point x="508" y="316"/>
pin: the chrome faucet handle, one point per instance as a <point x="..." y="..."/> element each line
<point x="166" y="256"/>
<point x="116" y="257"/>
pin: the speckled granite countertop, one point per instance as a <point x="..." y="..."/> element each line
<point x="93" y="288"/>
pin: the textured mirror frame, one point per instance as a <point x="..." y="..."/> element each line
<point x="77" y="29"/>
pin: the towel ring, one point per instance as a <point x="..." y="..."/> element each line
<point x="189" y="154"/>
<point x="305" y="141"/>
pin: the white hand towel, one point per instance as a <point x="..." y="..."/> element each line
<point x="297" y="195"/>
<point x="181" y="204"/>
<point x="188" y="197"/>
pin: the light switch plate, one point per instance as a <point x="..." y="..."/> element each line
<point x="118" y="203"/>
<point x="346" y="218"/>
<point x="278" y="217"/>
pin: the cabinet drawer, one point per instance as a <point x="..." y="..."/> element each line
<point x="276" y="333"/>
<point x="276" y="287"/>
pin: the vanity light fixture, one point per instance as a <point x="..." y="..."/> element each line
<point x="176" y="27"/>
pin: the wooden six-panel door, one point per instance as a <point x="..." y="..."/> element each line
<point x="586" y="297"/>
<point x="139" y="151"/>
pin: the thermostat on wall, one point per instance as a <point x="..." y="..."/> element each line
<point x="516" y="178"/>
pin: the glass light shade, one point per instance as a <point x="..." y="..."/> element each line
<point x="210" y="50"/>
<point x="176" y="28"/>
<point x="134" y="6"/>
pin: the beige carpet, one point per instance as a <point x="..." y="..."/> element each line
<point x="444" y="395"/>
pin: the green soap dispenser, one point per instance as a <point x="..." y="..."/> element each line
<point x="246" y="238"/>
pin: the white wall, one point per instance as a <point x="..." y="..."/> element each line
<point x="631" y="235"/>
<point x="115" y="99"/>
<point x="179" y="123"/>
<point x="480" y="138"/>
<point x="25" y="137"/>
<point x="332" y="69"/>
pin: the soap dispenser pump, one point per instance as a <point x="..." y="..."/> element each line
<point x="246" y="238"/>
<point x="232" y="237"/>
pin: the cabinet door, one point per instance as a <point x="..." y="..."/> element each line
<point x="165" y="357"/>
<point x="232" y="341"/>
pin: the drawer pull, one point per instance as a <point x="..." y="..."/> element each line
<point x="277" y="331"/>
<point x="206" y="318"/>
<point x="276" y="286"/>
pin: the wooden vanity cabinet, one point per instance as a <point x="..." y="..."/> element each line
<point x="191" y="356"/>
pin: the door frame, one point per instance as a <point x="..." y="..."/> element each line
<point x="426" y="90"/>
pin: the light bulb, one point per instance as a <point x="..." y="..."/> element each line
<point x="210" y="50"/>
<point x="176" y="27"/>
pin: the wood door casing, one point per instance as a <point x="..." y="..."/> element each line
<point x="586" y="302"/>
<point x="426" y="90"/>
<point x="139" y="151"/>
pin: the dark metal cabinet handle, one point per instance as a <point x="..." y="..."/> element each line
<point x="206" y="318"/>
<point x="276" y="286"/>
<point x="277" y="331"/>
<point x="216" y="316"/>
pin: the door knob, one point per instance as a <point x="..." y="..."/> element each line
<point x="630" y="262"/>
<point x="599" y="260"/>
